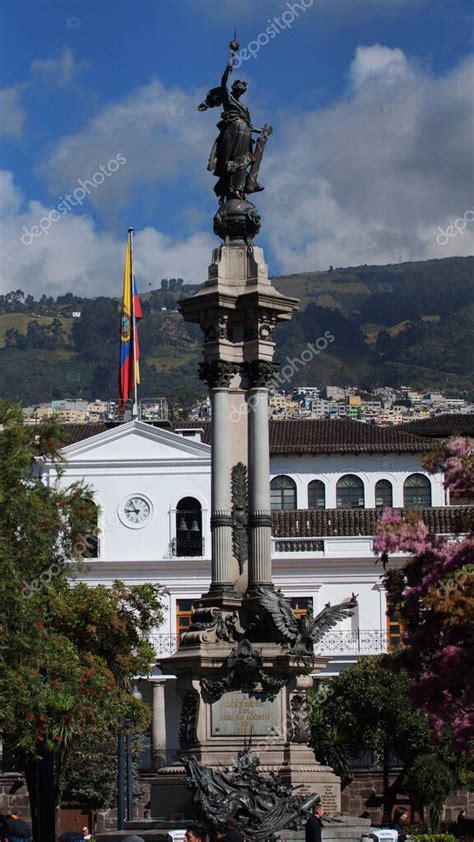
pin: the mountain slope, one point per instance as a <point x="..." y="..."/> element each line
<point x="409" y="323"/>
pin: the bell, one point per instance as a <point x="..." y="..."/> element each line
<point x="183" y="526"/>
<point x="194" y="526"/>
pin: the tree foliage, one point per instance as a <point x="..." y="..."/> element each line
<point x="368" y="709"/>
<point x="370" y="704"/>
<point x="69" y="651"/>
<point x="434" y="595"/>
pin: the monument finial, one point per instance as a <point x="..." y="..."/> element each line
<point x="234" y="44"/>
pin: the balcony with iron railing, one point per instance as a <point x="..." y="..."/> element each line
<point x="193" y="547"/>
<point x="298" y="545"/>
<point x="334" y="643"/>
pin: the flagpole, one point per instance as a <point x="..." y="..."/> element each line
<point x="134" y="333"/>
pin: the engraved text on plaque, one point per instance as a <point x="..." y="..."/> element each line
<point x="240" y="713"/>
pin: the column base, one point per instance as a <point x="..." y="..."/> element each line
<point x="251" y="593"/>
<point x="221" y="595"/>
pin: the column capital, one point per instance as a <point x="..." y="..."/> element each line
<point x="221" y="519"/>
<point x="159" y="680"/>
<point x="260" y="518"/>
<point x="260" y="373"/>
<point x="218" y="373"/>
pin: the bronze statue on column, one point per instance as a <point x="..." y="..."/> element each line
<point x="235" y="158"/>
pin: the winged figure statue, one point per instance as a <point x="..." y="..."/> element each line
<point x="301" y="634"/>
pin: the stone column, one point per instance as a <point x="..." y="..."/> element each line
<point x="158" y="725"/>
<point x="260" y="561"/>
<point x="218" y="375"/>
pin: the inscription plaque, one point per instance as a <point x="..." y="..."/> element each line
<point x="330" y="798"/>
<point x="239" y="713"/>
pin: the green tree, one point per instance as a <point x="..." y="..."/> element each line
<point x="368" y="706"/>
<point x="89" y="774"/>
<point x="430" y="781"/>
<point x="68" y="654"/>
<point x="98" y="328"/>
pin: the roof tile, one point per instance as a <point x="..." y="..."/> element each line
<point x="449" y="424"/>
<point x="305" y="435"/>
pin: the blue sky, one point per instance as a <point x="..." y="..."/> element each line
<point x="370" y="100"/>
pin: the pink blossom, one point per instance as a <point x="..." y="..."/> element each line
<point x="458" y="447"/>
<point x="437" y="645"/>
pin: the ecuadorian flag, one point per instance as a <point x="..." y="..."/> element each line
<point x="131" y="313"/>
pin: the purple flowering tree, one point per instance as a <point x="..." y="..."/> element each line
<point x="433" y="593"/>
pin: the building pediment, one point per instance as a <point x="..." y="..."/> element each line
<point x="136" y="442"/>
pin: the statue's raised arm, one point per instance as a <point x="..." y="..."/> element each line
<point x="215" y="97"/>
<point x="227" y="72"/>
<point x="233" y="159"/>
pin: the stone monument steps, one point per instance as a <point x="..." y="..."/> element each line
<point x="350" y="829"/>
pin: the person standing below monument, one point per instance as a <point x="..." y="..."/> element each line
<point x="314" y="825"/>
<point x="195" y="833"/>
<point x="400" y="822"/>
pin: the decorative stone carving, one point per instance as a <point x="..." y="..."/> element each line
<point x="217" y="331"/>
<point x="240" y="541"/>
<point x="208" y="625"/>
<point x="261" y="374"/>
<point x="244" y="670"/>
<point x="264" y="805"/>
<point x="301" y="731"/>
<point x="218" y="373"/>
<point x="263" y="330"/>
<point x="273" y="613"/>
<point x="188" y="720"/>
<point x="237" y="219"/>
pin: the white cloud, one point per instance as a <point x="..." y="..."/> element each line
<point x="12" y="113"/>
<point x="159" y="130"/>
<point x="10" y="196"/>
<point x="376" y="173"/>
<point x="74" y="255"/>
<point x="359" y="181"/>
<point x="378" y="64"/>
<point x="62" y="70"/>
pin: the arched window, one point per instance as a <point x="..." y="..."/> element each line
<point x="416" y="492"/>
<point x="188" y="527"/>
<point x="282" y="493"/>
<point x="383" y="494"/>
<point x="350" y="492"/>
<point x="316" y="495"/>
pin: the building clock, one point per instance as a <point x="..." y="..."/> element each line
<point x="136" y="511"/>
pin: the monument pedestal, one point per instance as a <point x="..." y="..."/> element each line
<point x="233" y="695"/>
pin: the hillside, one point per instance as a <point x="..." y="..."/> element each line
<point x="409" y="323"/>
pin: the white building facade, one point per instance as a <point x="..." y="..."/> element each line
<point x="329" y="482"/>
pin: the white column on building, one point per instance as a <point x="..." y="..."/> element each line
<point x="221" y="524"/>
<point x="158" y="725"/>
<point x="218" y="375"/>
<point x="382" y="614"/>
<point x="260" y="522"/>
